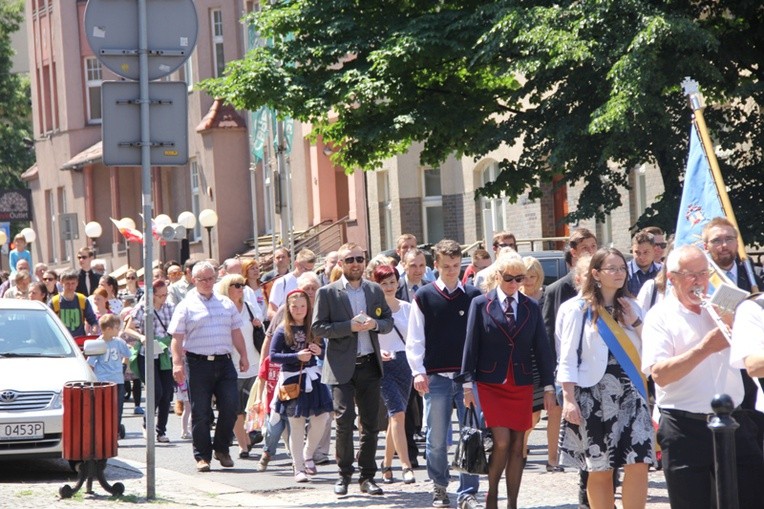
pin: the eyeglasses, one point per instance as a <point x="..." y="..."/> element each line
<point x="131" y="278"/>
<point x="206" y="279"/>
<point x="614" y="270"/>
<point x="238" y="285"/>
<point x="703" y="274"/>
<point x="661" y="245"/>
<point x="729" y="239"/>
<point x="508" y="278"/>
<point x="356" y="259"/>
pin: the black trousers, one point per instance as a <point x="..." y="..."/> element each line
<point x="688" y="460"/>
<point x="163" y="393"/>
<point x="363" y="390"/>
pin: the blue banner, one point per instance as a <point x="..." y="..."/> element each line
<point x="700" y="199"/>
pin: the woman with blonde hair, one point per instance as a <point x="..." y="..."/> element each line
<point x="232" y="286"/>
<point x="505" y="331"/>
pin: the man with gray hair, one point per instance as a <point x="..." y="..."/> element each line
<point x="689" y="359"/>
<point x="206" y="327"/>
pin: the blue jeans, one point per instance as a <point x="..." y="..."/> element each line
<point x="273" y="433"/>
<point x="205" y="379"/>
<point x="444" y="394"/>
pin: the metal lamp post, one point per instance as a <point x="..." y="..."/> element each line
<point x="208" y="218"/>
<point x="94" y="231"/>
<point x="127" y="223"/>
<point x="188" y="221"/>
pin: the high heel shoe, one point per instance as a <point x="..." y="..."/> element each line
<point x="387" y="475"/>
<point x="408" y="476"/>
<point x="554" y="468"/>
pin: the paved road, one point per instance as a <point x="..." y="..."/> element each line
<point x="35" y="484"/>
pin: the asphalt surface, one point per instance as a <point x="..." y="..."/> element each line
<point x="35" y="484"/>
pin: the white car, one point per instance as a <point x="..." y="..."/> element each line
<point x="37" y="357"/>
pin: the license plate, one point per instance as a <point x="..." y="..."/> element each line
<point x="22" y="431"/>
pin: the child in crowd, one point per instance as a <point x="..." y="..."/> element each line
<point x="183" y="408"/>
<point x="268" y="377"/>
<point x="19" y="252"/>
<point x="297" y="350"/>
<point x="108" y="366"/>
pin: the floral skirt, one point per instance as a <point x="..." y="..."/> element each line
<point x="616" y="427"/>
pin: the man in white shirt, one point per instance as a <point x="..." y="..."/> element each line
<point x="747" y="350"/>
<point x="689" y="360"/>
<point x="305" y="261"/>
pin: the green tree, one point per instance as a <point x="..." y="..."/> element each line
<point x="591" y="87"/>
<point x="15" y="106"/>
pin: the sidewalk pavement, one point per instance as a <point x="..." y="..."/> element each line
<point x="539" y="490"/>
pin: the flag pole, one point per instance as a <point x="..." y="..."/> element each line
<point x="697" y="105"/>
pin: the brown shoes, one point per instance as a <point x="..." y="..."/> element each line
<point x="224" y="458"/>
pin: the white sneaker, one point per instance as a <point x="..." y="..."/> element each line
<point x="300" y="477"/>
<point x="185" y="435"/>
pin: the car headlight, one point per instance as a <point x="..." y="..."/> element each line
<point x="56" y="401"/>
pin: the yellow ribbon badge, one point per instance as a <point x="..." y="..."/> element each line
<point x="378" y="311"/>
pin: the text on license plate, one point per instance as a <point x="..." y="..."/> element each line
<point x="22" y="431"/>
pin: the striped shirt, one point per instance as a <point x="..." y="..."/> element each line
<point x="206" y="323"/>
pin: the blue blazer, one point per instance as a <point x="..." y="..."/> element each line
<point x="491" y="345"/>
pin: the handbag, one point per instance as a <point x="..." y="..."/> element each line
<point x="288" y="392"/>
<point x="258" y="333"/>
<point x="470" y="455"/>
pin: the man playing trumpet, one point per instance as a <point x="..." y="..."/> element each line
<point x="689" y="359"/>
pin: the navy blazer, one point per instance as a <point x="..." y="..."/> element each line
<point x="491" y="346"/>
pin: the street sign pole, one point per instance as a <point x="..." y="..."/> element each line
<point x="148" y="248"/>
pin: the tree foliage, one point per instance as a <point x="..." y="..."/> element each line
<point x="590" y="87"/>
<point x="15" y="105"/>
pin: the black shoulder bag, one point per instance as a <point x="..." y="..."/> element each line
<point x="258" y="333"/>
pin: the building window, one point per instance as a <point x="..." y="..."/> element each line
<point x="186" y="72"/>
<point x="195" y="198"/>
<point x="432" y="203"/>
<point x="93" y="82"/>
<point x="493" y="209"/>
<point x="218" y="55"/>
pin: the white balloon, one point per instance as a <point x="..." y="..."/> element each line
<point x="29" y="234"/>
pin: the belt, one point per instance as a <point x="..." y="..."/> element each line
<point x="361" y="359"/>
<point x="209" y="357"/>
<point x="687" y="415"/>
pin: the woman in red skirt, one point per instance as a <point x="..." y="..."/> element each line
<point x="504" y="331"/>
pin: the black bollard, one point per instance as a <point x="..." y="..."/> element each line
<point x="723" y="427"/>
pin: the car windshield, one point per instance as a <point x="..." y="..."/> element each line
<point x="32" y="333"/>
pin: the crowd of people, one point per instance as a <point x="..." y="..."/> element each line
<point x="610" y="351"/>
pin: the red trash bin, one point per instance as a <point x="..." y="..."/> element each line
<point x="90" y="421"/>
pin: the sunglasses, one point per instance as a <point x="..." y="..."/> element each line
<point x="48" y="279"/>
<point x="238" y="285"/>
<point x="513" y="246"/>
<point x="356" y="259"/>
<point x="508" y="278"/>
<point x="661" y="245"/>
<point x="81" y="257"/>
<point x="131" y="278"/>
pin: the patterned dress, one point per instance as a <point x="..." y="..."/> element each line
<point x="616" y="430"/>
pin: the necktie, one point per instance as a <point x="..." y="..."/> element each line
<point x="414" y="289"/>
<point x="87" y="281"/>
<point x="509" y="312"/>
<point x="731" y="277"/>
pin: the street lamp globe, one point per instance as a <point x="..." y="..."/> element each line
<point x="93" y="229"/>
<point x="162" y="220"/>
<point x="29" y="235"/>
<point x="187" y="219"/>
<point x="127" y="222"/>
<point x="208" y="218"/>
